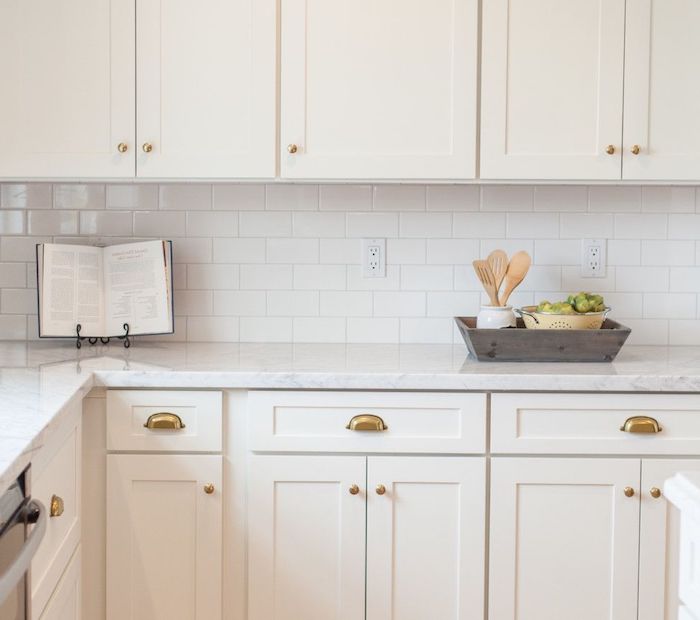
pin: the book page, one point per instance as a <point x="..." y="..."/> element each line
<point x="70" y="290"/>
<point x="137" y="288"/>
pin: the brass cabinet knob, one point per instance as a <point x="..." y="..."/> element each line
<point x="292" y="149"/>
<point x="354" y="489"/>
<point x="629" y="491"/>
<point x="208" y="488"/>
<point x="57" y="506"/>
<point x="641" y="424"/>
<point x="122" y="147"/>
<point x="636" y="149"/>
<point x="381" y="489"/>
<point x="147" y="147"/>
<point x="655" y="492"/>
<point x="610" y="149"/>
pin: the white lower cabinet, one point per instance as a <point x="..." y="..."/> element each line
<point x="65" y="602"/>
<point x="564" y="539"/>
<point x="164" y="537"/>
<point x="659" y="541"/>
<point x="411" y="528"/>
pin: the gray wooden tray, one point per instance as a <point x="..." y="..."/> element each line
<point x="519" y="344"/>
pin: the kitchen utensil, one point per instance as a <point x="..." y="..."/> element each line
<point x="498" y="260"/>
<point x="495" y="317"/>
<point x="547" y="320"/>
<point x="487" y="279"/>
<point x="517" y="270"/>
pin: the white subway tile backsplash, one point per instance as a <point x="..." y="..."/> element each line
<point x="26" y="196"/>
<point x="132" y="197"/>
<point x="283" y="197"/>
<point x="399" y="198"/>
<point x="370" y="225"/>
<point x="282" y="262"/>
<point x="185" y="197"/>
<point x="318" y="225"/>
<point x="684" y="332"/>
<point x="345" y="198"/>
<point x="292" y="251"/>
<point x="238" y="197"/>
<point x="452" y="198"/>
<point x="265" y="224"/>
<point x="422" y="225"/>
<point x="212" y="224"/>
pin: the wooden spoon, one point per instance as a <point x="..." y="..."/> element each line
<point x="498" y="260"/>
<point x="517" y="270"/>
<point x="487" y="279"/>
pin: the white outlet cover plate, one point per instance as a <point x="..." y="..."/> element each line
<point x="593" y="258"/>
<point x="374" y="258"/>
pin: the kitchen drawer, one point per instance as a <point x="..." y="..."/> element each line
<point x="417" y="422"/>
<point x="65" y="602"/>
<point x="199" y="412"/>
<point x="591" y="424"/>
<point x="57" y="479"/>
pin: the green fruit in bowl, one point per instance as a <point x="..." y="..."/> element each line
<point x="579" y="303"/>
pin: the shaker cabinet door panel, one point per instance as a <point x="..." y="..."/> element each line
<point x="306" y="538"/>
<point x="662" y="89"/>
<point x="164" y="537"/>
<point x="68" y="88"/>
<point x="206" y="88"/>
<point x="564" y="539"/>
<point x="659" y="541"/>
<point x="378" y="90"/>
<point x="425" y="538"/>
<point x="552" y="89"/>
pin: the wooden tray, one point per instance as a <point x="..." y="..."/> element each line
<point x="520" y="344"/>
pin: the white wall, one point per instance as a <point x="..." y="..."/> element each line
<point x="281" y="262"/>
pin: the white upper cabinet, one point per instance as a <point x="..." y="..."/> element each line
<point x="68" y="88"/>
<point x="378" y="89"/>
<point x="662" y="90"/>
<point x="206" y="88"/>
<point x="552" y="89"/>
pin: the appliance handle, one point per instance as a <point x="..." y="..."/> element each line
<point x="11" y="577"/>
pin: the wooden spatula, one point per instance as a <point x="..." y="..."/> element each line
<point x="517" y="270"/>
<point x="487" y="279"/>
<point x="498" y="260"/>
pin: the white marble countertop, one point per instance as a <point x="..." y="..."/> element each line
<point x="38" y="380"/>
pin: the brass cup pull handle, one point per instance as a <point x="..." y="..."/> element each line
<point x="629" y="492"/>
<point x="380" y="489"/>
<point x="147" y="147"/>
<point x="122" y="147"/>
<point x="366" y="422"/>
<point x="655" y="492"/>
<point x="610" y="149"/>
<point x="641" y="424"/>
<point x="636" y="149"/>
<point x="209" y="488"/>
<point x="57" y="506"/>
<point x="164" y="420"/>
<point x="354" y="489"/>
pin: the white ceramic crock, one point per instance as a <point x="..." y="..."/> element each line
<point x="495" y="317"/>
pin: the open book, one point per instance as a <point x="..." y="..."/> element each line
<point x="103" y="288"/>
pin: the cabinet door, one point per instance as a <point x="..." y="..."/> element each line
<point x="379" y="89"/>
<point x="659" y="551"/>
<point x="68" y="88"/>
<point x="425" y="538"/>
<point x="662" y="90"/>
<point x="564" y="539"/>
<point x="551" y="88"/>
<point x="64" y="603"/>
<point x="164" y="537"/>
<point x="306" y="545"/>
<point x="206" y="88"/>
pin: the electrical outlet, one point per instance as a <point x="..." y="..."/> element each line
<point x="593" y="258"/>
<point x="374" y="258"/>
